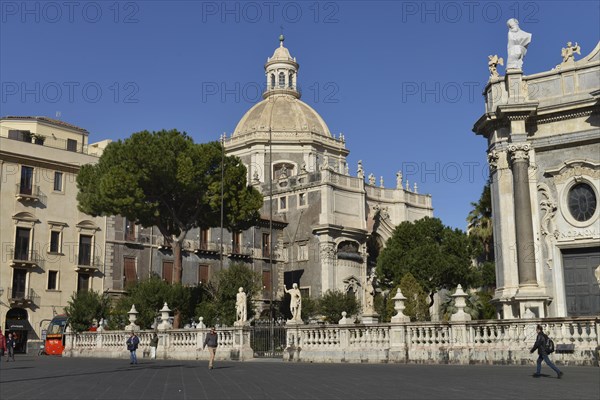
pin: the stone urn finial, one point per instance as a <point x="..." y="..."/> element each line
<point x="460" y="302"/>
<point x="399" y="307"/>
<point x="132" y="318"/>
<point x="344" y="320"/>
<point x="164" y="318"/>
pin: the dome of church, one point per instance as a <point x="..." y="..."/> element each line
<point x="282" y="113"/>
<point x="281" y="110"/>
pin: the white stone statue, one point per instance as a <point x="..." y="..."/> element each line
<point x="371" y="179"/>
<point x="415" y="188"/>
<point x="518" y="41"/>
<point x="407" y="186"/>
<point x="369" y="295"/>
<point x="360" y="172"/>
<point x="283" y="172"/>
<point x="528" y="314"/>
<point x="240" y="306"/>
<point x="399" y="180"/>
<point x="381" y="181"/>
<point x="325" y="164"/>
<point x="295" y="303"/>
<point x="493" y="62"/>
<point x="568" y="53"/>
<point x="597" y="274"/>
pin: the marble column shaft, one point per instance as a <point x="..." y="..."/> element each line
<point x="525" y="245"/>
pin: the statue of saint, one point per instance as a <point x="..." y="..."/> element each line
<point x="371" y="179"/>
<point x="325" y="164"/>
<point x="295" y="302"/>
<point x="399" y="180"/>
<point x="360" y="172"/>
<point x="283" y="172"/>
<point x="240" y="306"/>
<point x="518" y="41"/>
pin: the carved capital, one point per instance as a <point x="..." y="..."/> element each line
<point x="326" y="250"/>
<point x="493" y="158"/>
<point x="519" y="152"/>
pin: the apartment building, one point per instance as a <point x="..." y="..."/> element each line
<point x="50" y="249"/>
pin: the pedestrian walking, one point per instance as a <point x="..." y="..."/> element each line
<point x="10" y="347"/>
<point x="540" y="345"/>
<point x="2" y="345"/>
<point x="132" y="344"/>
<point x="212" y="342"/>
<point x="153" y="346"/>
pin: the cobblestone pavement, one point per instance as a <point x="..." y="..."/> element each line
<point x="46" y="377"/>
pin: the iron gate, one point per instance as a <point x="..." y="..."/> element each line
<point x="267" y="341"/>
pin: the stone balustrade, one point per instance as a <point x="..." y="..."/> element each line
<point x="468" y="342"/>
<point x="455" y="342"/>
<point x="177" y="344"/>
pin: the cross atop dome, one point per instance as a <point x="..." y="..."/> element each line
<point x="281" y="71"/>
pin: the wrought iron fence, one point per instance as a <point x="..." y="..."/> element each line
<point x="268" y="341"/>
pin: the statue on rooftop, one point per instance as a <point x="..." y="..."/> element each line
<point x="493" y="62"/>
<point x="568" y="53"/>
<point x="360" y="172"/>
<point x="518" y="40"/>
<point x="371" y="179"/>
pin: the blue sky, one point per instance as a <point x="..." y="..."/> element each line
<point x="401" y="80"/>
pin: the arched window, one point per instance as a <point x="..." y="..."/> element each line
<point x="281" y="79"/>
<point x="291" y="80"/>
<point x="272" y="81"/>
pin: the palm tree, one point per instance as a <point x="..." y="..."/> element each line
<point x="480" y="222"/>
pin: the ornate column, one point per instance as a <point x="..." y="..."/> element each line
<point x="327" y="257"/>
<point x="525" y="246"/>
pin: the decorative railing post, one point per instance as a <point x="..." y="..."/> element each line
<point x="69" y="342"/>
<point x="399" y="307"/>
<point x="241" y="344"/>
<point x="460" y="302"/>
<point x="398" y="337"/>
<point x="461" y="344"/>
<point x="294" y="343"/>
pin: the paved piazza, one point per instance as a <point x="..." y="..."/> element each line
<point x="32" y="377"/>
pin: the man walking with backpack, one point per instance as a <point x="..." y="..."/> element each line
<point x="541" y="346"/>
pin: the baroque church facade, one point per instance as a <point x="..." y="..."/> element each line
<point x="334" y="220"/>
<point x="321" y="227"/>
<point x="543" y="134"/>
<point x="327" y="224"/>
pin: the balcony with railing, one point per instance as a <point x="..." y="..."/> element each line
<point x="22" y="297"/>
<point x="238" y="250"/>
<point x="207" y="247"/>
<point x="88" y="264"/>
<point x="28" y="192"/>
<point x="52" y="142"/>
<point x="23" y="258"/>
<point x="139" y="238"/>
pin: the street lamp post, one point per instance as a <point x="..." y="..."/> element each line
<point x="272" y="310"/>
<point x="222" y="191"/>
